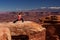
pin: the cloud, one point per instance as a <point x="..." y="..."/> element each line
<point x="43" y="7"/>
<point x="53" y="7"/>
<point x="50" y="7"/>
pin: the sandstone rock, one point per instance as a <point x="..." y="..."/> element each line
<point x="5" y="34"/>
<point x="33" y="30"/>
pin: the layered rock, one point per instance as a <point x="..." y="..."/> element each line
<point x="5" y="33"/>
<point x="33" y="30"/>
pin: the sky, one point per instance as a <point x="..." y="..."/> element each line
<point x="16" y="5"/>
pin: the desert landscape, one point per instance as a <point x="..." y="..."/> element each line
<point x="29" y="19"/>
<point x="35" y="26"/>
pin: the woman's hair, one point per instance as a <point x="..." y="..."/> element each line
<point x="20" y="13"/>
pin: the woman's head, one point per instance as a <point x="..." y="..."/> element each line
<point x="20" y="13"/>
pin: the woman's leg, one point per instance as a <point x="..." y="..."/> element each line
<point x="22" y="19"/>
<point x="15" y="21"/>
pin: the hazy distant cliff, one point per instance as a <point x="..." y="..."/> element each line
<point x="32" y="15"/>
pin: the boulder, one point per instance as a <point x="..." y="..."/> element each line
<point x="5" y="33"/>
<point x="33" y="30"/>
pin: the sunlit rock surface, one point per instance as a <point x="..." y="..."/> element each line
<point x="33" y="30"/>
<point x="5" y="34"/>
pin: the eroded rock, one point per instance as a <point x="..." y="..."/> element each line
<point x="33" y="30"/>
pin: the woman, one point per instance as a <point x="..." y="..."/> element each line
<point x="19" y="18"/>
